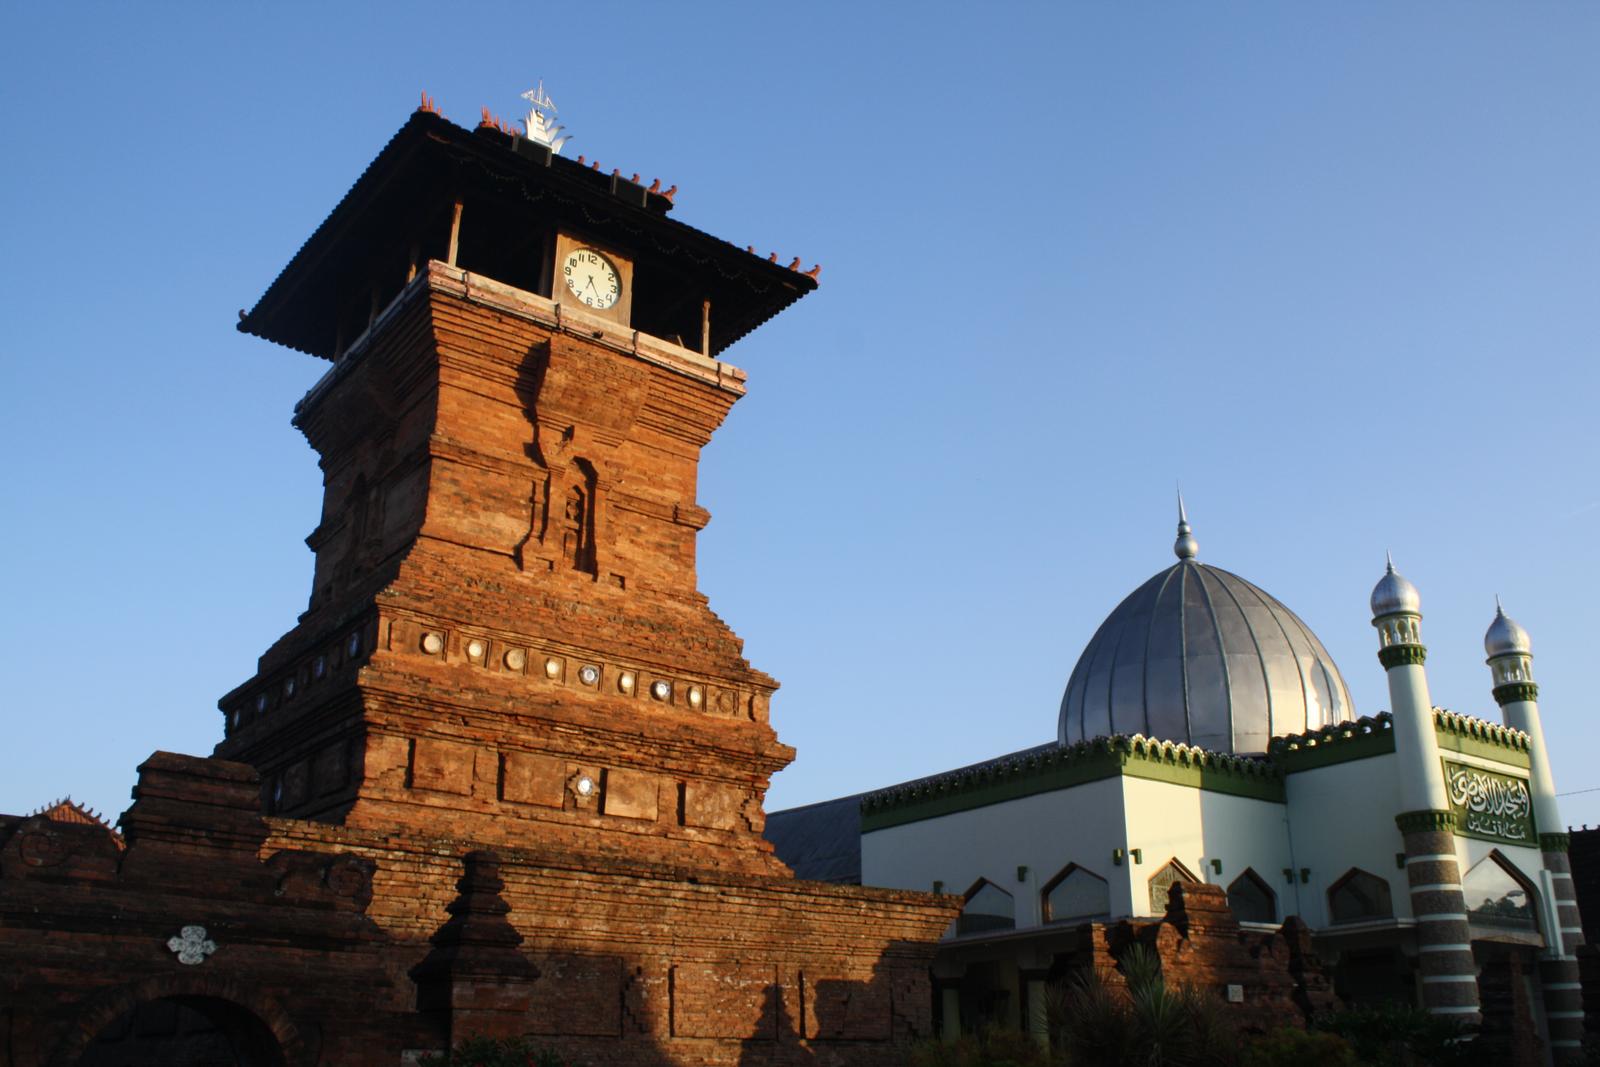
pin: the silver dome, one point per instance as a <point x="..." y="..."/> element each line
<point x="1199" y="655"/>
<point x="1393" y="595"/>
<point x="1505" y="637"/>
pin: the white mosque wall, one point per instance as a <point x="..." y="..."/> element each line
<point x="1196" y="826"/>
<point x="1082" y="824"/>
<point x="1341" y="816"/>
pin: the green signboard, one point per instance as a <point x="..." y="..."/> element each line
<point x="1489" y="804"/>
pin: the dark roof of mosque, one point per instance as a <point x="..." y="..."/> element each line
<point x="820" y="842"/>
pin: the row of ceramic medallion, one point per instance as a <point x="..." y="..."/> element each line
<point x="564" y="668"/>
<point x="289" y="686"/>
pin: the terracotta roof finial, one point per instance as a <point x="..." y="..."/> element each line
<point x="816" y="269"/>
<point x="795" y="263"/>
<point x="427" y="104"/>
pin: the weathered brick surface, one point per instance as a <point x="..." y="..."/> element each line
<point x="1200" y="943"/>
<point x="504" y="650"/>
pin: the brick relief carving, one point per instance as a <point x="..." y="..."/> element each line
<point x="444" y="766"/>
<point x="712" y="805"/>
<point x="331" y="768"/>
<point x="529" y="778"/>
<point x="631" y="795"/>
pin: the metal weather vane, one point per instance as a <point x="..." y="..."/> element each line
<point x="540" y="123"/>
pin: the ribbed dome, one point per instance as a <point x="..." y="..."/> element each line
<point x="1199" y="655"/>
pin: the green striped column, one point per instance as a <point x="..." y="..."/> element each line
<point x="1444" y="939"/>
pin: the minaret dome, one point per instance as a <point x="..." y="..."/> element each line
<point x="1394" y="595"/>
<point x="1505" y="637"/>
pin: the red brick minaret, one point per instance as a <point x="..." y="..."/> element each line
<point x="505" y="640"/>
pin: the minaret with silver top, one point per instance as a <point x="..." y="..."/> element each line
<point x="1433" y="869"/>
<point x="1510" y="659"/>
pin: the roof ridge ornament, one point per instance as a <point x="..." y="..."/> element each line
<point x="540" y="124"/>
<point x="1186" y="547"/>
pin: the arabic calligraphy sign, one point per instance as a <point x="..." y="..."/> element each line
<point x="1487" y="804"/>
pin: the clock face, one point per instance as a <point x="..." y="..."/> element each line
<point x="592" y="278"/>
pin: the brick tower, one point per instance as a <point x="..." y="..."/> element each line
<point x="506" y="774"/>
<point x="505" y="641"/>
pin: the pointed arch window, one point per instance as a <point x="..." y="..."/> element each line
<point x="987" y="907"/>
<point x="1162" y="881"/>
<point x="1498" y="895"/>
<point x="1251" y="899"/>
<point x="1076" y="894"/>
<point x="1359" y="896"/>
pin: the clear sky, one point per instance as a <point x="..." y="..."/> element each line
<point x="1333" y="266"/>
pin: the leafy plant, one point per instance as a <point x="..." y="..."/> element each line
<point x="1290" y="1046"/>
<point x="1399" y="1035"/>
<point x="1150" y="1024"/>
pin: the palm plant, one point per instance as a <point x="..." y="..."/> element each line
<point x="1149" y="1024"/>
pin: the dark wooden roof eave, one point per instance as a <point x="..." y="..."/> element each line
<point x="494" y="152"/>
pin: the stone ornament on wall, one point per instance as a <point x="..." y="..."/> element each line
<point x="191" y="945"/>
<point x="1488" y="804"/>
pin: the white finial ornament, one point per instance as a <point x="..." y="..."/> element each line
<point x="539" y="125"/>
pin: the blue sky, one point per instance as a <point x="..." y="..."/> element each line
<point x="1332" y="266"/>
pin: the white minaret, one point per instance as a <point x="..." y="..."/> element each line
<point x="1510" y="662"/>
<point x="1511" y="666"/>
<point x="1427" y="825"/>
<point x="1397" y="614"/>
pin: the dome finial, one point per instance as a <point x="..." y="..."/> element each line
<point x="1186" y="547"/>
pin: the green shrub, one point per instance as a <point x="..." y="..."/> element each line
<point x="993" y="1048"/>
<point x="1290" y="1046"/>
<point x="494" y="1052"/>
<point x="1399" y="1035"/>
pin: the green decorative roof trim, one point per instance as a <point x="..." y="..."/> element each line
<point x="1372" y="735"/>
<point x="1413" y="822"/>
<point x="1399" y="655"/>
<point x="1049" y="767"/>
<point x="1054" y="766"/>
<point x="1479" y="737"/>
<point x="1555" y="842"/>
<point x="1512" y="692"/>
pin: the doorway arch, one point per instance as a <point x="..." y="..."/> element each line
<point x="161" y="1021"/>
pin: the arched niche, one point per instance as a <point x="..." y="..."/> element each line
<point x="987" y="907"/>
<point x="1161" y="883"/>
<point x="1251" y="899"/>
<point x="1075" y="894"/>
<point x="1500" y="898"/>
<point x="1358" y="896"/>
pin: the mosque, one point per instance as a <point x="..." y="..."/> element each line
<point x="1206" y="738"/>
